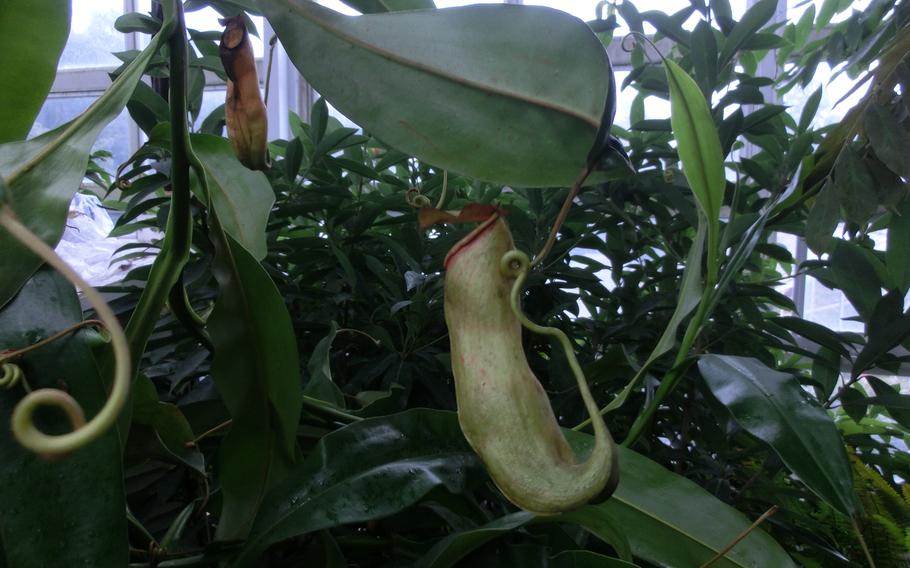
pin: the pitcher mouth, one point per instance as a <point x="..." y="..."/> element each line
<point x="470" y="238"/>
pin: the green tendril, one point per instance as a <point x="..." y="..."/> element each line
<point x="516" y="264"/>
<point x="23" y="425"/>
<point x="11" y="375"/>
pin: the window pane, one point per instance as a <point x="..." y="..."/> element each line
<point x="92" y="35"/>
<point x="210" y="101"/>
<point x="587" y="10"/>
<point x="832" y="91"/>
<point x="115" y="138"/>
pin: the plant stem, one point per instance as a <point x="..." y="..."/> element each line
<point x="671" y="379"/>
<point x="561" y="218"/>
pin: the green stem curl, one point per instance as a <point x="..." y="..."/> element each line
<point x="516" y="264"/>
<point x="23" y="425"/>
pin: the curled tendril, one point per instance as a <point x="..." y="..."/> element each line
<point x="516" y="264"/>
<point x="23" y="425"/>
<point x="416" y="199"/>
<point x="10" y="375"/>
<point x="634" y="39"/>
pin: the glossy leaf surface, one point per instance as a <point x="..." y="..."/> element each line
<point x="368" y="470"/>
<point x="773" y="407"/>
<point x="67" y="512"/>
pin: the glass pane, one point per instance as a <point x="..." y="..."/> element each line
<point x="115" y="138"/>
<point x="587" y="10"/>
<point x="92" y="35"/>
<point x="207" y="19"/>
<point x="210" y="101"/>
<point x="797" y="7"/>
<point x="832" y="90"/>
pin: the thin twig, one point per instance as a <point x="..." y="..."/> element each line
<point x="12" y="354"/>
<point x="210" y="431"/>
<point x="741" y="536"/>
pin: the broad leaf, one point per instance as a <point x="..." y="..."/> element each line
<point x="32" y="35"/>
<point x="368" y="470"/>
<point x="773" y="407"/>
<point x="242" y="197"/>
<point x="469" y="89"/>
<point x="43" y="173"/>
<point x="671" y="522"/>
<point x="70" y="511"/>
<point x="257" y="374"/>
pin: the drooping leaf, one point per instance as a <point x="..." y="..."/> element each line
<point x="887" y="327"/>
<point x="242" y="197"/>
<point x="810" y="108"/>
<point x="70" y="511"/>
<point x="43" y="173"/>
<point x="319" y="383"/>
<point x="855" y="187"/>
<point x="168" y="423"/>
<point x="428" y="83"/>
<point x="32" y="35"/>
<point x="773" y="407"/>
<point x="257" y="374"/>
<point x="897" y="404"/>
<point x="365" y="471"/>
<point x="823" y="218"/>
<point x="855" y="275"/>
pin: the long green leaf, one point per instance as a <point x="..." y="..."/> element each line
<point x="67" y="512"/>
<point x="753" y="20"/>
<point x="242" y="198"/>
<point x="32" y="35"/>
<point x="43" y="173"/>
<point x="774" y="408"/>
<point x="470" y="89"/>
<point x="257" y="374"/>
<point x="699" y="149"/>
<point x="368" y="470"/>
<point x="897" y="259"/>
<point x="671" y="522"/>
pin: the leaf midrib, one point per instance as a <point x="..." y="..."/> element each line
<point x="338" y="33"/>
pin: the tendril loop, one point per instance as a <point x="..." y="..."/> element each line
<point x="23" y="426"/>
